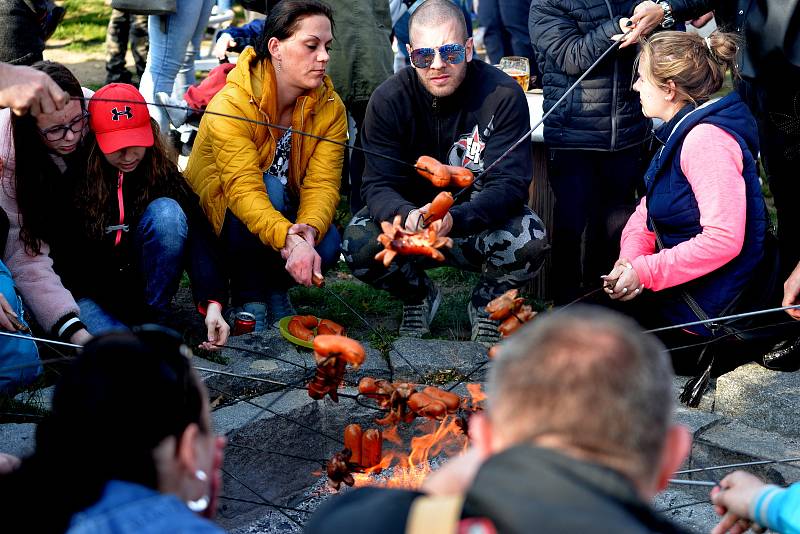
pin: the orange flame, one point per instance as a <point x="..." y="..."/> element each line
<point x="391" y="435"/>
<point x="476" y="392"/>
<point x="410" y="471"/>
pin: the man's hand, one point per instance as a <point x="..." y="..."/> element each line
<point x="414" y="219"/>
<point x="646" y="17"/>
<point x="218" y="329"/>
<point x="24" y="89"/>
<point x="418" y="217"/>
<point x="455" y="476"/>
<point x="702" y="20"/>
<point x="791" y="289"/>
<point x="622" y="283"/>
<point x="225" y="42"/>
<point x="732" y="500"/>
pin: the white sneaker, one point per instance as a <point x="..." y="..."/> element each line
<point x="177" y="112"/>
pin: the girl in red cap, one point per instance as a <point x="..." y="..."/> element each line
<point x="122" y="244"/>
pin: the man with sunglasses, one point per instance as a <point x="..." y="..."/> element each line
<point x="464" y="113"/>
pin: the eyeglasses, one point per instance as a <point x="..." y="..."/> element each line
<point x="76" y="126"/>
<point x="452" y="53"/>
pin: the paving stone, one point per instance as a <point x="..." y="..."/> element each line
<point x="429" y="355"/>
<point x="18" y="439"/>
<point x="732" y="442"/>
<point x="761" y="398"/>
<point x="299" y="426"/>
<point x="690" y="509"/>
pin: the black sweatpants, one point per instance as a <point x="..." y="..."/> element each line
<point x="595" y="195"/>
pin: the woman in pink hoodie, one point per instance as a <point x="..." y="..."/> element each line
<point x="698" y="239"/>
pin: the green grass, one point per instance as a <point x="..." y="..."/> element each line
<point x="384" y="312"/>
<point x="84" y="25"/>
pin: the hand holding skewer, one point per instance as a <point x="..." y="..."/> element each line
<point x="622" y="283"/>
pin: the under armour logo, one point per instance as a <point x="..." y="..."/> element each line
<point x="116" y="114"/>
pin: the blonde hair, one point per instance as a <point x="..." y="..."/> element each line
<point x="696" y="65"/>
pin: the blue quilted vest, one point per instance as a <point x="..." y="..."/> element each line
<point x="672" y="206"/>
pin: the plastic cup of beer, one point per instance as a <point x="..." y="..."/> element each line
<point x="518" y="68"/>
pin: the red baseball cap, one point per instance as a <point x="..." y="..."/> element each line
<point x="122" y="124"/>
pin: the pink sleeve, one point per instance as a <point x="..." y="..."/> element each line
<point x="34" y="277"/>
<point x="712" y="161"/>
<point x="637" y="240"/>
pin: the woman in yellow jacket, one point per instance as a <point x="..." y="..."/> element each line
<point x="269" y="193"/>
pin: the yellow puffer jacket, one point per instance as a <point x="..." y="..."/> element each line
<point x="230" y="156"/>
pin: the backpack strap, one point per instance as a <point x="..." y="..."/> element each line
<point x="438" y="514"/>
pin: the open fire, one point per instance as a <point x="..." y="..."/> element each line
<point x="432" y="439"/>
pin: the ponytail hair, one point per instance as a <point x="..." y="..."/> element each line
<point x="696" y="65"/>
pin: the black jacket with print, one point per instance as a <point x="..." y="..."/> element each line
<point x="472" y="127"/>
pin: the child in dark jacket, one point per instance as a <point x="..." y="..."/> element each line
<point x="132" y="224"/>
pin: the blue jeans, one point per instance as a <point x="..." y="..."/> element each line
<point x="496" y="39"/>
<point x="257" y="270"/>
<point x="19" y="358"/>
<point x="174" y="43"/>
<point x="514" y="14"/>
<point x="159" y="244"/>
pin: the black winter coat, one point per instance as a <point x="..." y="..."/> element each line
<point x="603" y="112"/>
<point x="21" y="36"/>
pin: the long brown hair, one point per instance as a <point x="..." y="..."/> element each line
<point x="157" y="175"/>
<point x="38" y="183"/>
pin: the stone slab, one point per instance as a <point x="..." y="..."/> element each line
<point x="729" y="442"/>
<point x="430" y="355"/>
<point x="18" y="439"/>
<point x="695" y="420"/>
<point x="690" y="509"/>
<point x="760" y="398"/>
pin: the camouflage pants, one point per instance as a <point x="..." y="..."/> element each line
<point x="123" y="27"/>
<point x="506" y="258"/>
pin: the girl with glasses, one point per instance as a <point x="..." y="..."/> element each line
<point x="39" y="157"/>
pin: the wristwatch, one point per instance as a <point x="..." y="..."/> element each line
<point x="668" y="21"/>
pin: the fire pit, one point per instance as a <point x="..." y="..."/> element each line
<point x="279" y="442"/>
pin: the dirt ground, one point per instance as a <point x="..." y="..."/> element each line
<point x="89" y="68"/>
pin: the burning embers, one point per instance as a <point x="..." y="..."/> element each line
<point x="441" y="431"/>
<point x="446" y="414"/>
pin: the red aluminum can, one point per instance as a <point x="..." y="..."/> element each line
<point x="243" y="323"/>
